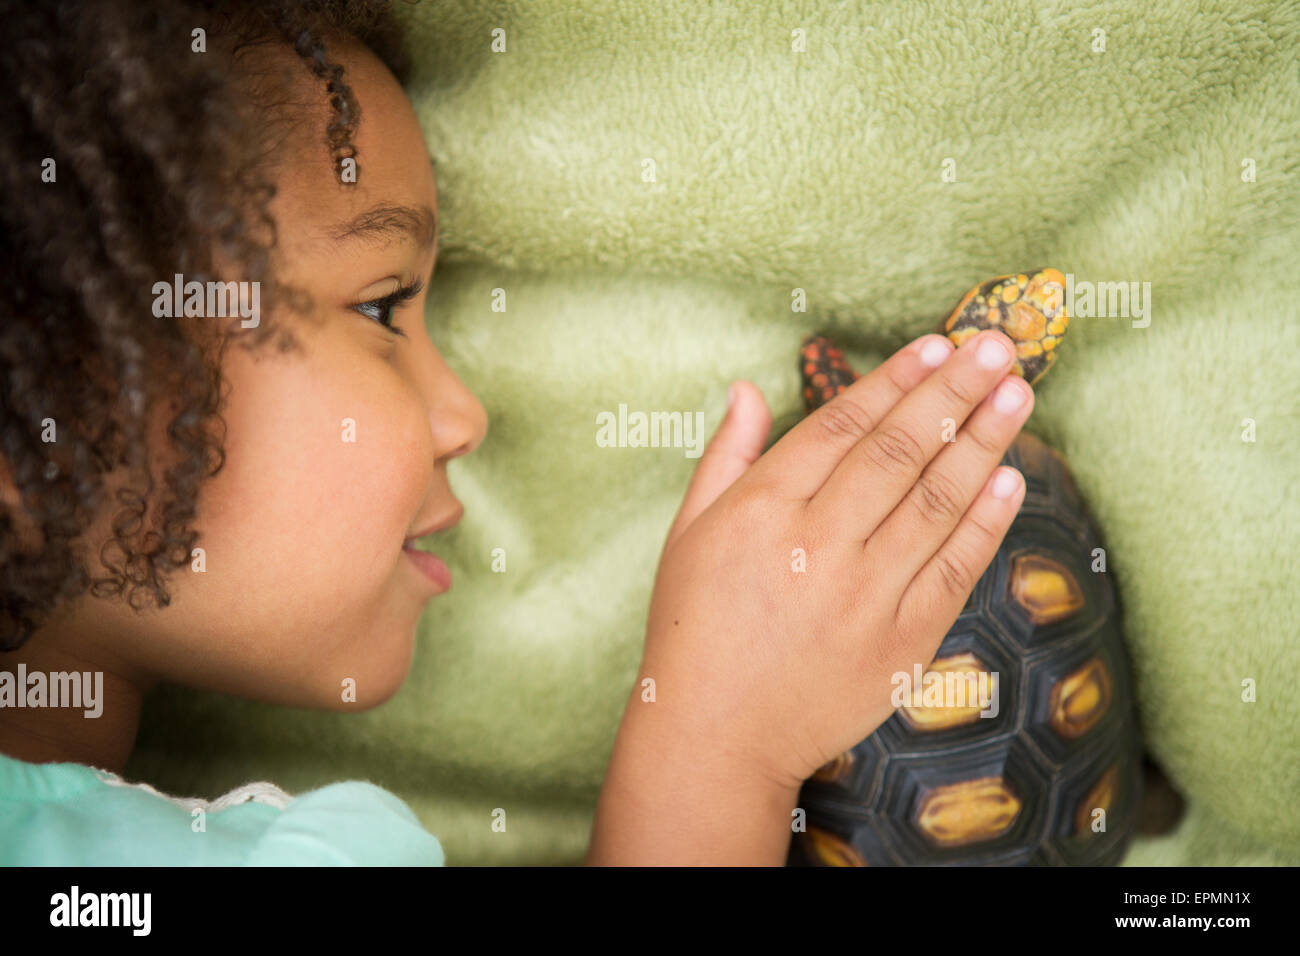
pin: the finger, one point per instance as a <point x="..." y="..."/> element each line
<point x="927" y="515"/>
<point x="736" y="445"/>
<point x="931" y="602"/>
<point x="806" y="455"/>
<point x="873" y="476"/>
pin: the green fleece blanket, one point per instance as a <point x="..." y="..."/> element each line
<point x="650" y="183"/>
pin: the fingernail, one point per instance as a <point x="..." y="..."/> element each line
<point x="731" y="395"/>
<point x="1008" y="397"/>
<point x="1005" y="483"/>
<point x="934" y="353"/>
<point x="993" y="353"/>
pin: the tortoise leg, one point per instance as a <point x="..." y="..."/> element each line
<point x="824" y="370"/>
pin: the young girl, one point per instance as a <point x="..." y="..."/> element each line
<point x="230" y="498"/>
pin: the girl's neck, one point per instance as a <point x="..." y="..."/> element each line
<point x="72" y="705"/>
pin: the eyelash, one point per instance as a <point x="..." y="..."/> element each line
<point x="388" y="303"/>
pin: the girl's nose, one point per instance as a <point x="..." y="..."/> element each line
<point x="458" y="418"/>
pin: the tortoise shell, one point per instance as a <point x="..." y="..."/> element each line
<point x="1051" y="774"/>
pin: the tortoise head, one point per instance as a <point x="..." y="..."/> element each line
<point x="1029" y="307"/>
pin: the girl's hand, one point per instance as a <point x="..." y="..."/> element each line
<point x="792" y="588"/>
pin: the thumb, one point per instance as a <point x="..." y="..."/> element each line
<point x="736" y="445"/>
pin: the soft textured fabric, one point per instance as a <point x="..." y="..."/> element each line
<point x="69" y="814"/>
<point x="648" y="183"/>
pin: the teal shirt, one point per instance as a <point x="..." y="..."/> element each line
<point x="69" y="814"/>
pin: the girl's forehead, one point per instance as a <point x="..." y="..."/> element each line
<point x="391" y="185"/>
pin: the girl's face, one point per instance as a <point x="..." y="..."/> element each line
<point x="336" y="453"/>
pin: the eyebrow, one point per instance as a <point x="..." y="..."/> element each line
<point x="387" y="223"/>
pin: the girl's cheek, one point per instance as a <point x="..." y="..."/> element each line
<point x="328" y="465"/>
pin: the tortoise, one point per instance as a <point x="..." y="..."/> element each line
<point x="1023" y="784"/>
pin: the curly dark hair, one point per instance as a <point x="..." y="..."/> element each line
<point x="160" y="167"/>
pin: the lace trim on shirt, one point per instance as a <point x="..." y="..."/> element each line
<point x="259" y="792"/>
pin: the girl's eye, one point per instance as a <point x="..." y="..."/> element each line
<point x="381" y="310"/>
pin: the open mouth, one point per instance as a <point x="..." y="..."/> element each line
<point x="430" y="565"/>
<point x="427" y="563"/>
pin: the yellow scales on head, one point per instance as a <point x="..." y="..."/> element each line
<point x="1028" y="307"/>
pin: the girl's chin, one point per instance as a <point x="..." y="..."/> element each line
<point x="371" y="670"/>
<point x="368" y="689"/>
